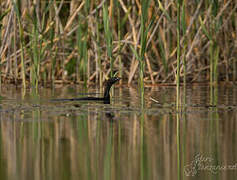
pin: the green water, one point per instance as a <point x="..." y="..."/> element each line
<point x="40" y="139"/>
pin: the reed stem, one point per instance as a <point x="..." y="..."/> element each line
<point x="178" y="54"/>
<point x="144" y="28"/>
<point x="22" y="43"/>
<point x="108" y="37"/>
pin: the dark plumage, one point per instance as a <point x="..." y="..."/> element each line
<point x="105" y="99"/>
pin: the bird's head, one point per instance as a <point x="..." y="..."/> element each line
<point x="112" y="80"/>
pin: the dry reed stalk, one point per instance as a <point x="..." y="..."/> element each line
<point x="73" y="16"/>
<point x="149" y="70"/>
<point x="161" y="65"/>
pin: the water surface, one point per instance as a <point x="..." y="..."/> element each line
<point x="40" y="139"/>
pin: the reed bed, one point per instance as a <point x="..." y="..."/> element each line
<point x="73" y="41"/>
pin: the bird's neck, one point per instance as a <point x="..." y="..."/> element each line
<point x="106" y="91"/>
